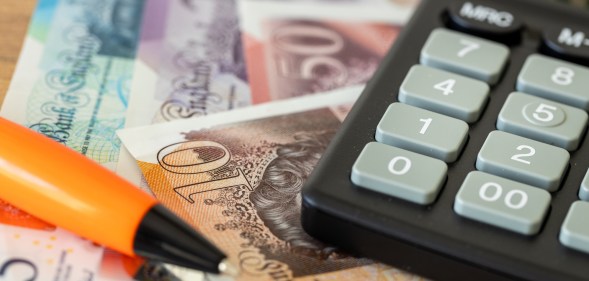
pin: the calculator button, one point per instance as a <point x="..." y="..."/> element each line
<point x="574" y="232"/>
<point x="568" y="42"/>
<point x="556" y="80"/>
<point x="523" y="160"/>
<point x="444" y="92"/>
<point x="422" y="131"/>
<point x="501" y="202"/>
<point x="485" y="18"/>
<point x="399" y="173"/>
<point x="584" y="190"/>
<point x="543" y="120"/>
<point x="464" y="54"/>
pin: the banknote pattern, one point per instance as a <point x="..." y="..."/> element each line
<point x="300" y="57"/>
<point x="193" y="51"/>
<point x="224" y="179"/>
<point x="244" y="193"/>
<point x="79" y="95"/>
<point x="297" y="51"/>
<point x="55" y="254"/>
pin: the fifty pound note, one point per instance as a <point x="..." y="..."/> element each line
<point x="237" y="177"/>
<point x="294" y="49"/>
<point x="73" y="78"/>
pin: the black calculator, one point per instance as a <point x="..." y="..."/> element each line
<point x="465" y="158"/>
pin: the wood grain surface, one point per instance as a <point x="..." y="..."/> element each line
<point x="14" y="20"/>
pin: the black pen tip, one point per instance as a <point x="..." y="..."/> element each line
<point x="162" y="236"/>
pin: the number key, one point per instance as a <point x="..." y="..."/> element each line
<point x="422" y="131"/>
<point x="502" y="202"/>
<point x="555" y="79"/>
<point x="542" y="120"/>
<point x="399" y="173"/>
<point x="464" y="54"/>
<point x="444" y="92"/>
<point x="523" y="160"/>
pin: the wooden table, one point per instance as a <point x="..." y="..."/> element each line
<point x="14" y="20"/>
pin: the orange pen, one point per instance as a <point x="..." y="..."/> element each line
<point x="63" y="187"/>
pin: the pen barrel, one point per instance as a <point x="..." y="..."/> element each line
<point x="61" y="186"/>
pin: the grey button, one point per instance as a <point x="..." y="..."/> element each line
<point x="574" y="232"/>
<point x="584" y="190"/>
<point x="399" y="173"/>
<point x="556" y="80"/>
<point x="422" y="131"/>
<point x="543" y="120"/>
<point x="503" y="203"/>
<point x="444" y="92"/>
<point x="465" y="54"/>
<point x="524" y="160"/>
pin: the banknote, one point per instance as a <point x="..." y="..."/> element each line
<point x="72" y="81"/>
<point x="236" y="177"/>
<point x="293" y="50"/>
<point x="189" y="62"/>
<point x="46" y="254"/>
<point x="71" y="84"/>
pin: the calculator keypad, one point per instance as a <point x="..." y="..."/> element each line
<point x="444" y="92"/>
<point x="555" y="79"/>
<point x="543" y="120"/>
<point x="518" y="165"/>
<point x="501" y="202"/>
<point x="422" y="131"/>
<point x="524" y="160"/>
<point x="465" y="54"/>
<point x="398" y="172"/>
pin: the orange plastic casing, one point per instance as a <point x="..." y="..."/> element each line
<point x="63" y="187"/>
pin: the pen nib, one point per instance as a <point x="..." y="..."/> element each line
<point x="226" y="267"/>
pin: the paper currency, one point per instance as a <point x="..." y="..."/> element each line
<point x="293" y="49"/>
<point x="73" y="79"/>
<point x="236" y="176"/>
<point x="71" y="84"/>
<point x="46" y="254"/>
<point x="189" y="62"/>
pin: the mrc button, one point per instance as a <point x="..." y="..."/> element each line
<point x="569" y="42"/>
<point x="486" y="19"/>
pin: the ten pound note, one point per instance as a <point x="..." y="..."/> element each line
<point x="237" y="177"/>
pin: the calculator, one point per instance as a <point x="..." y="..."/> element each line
<point x="465" y="158"/>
